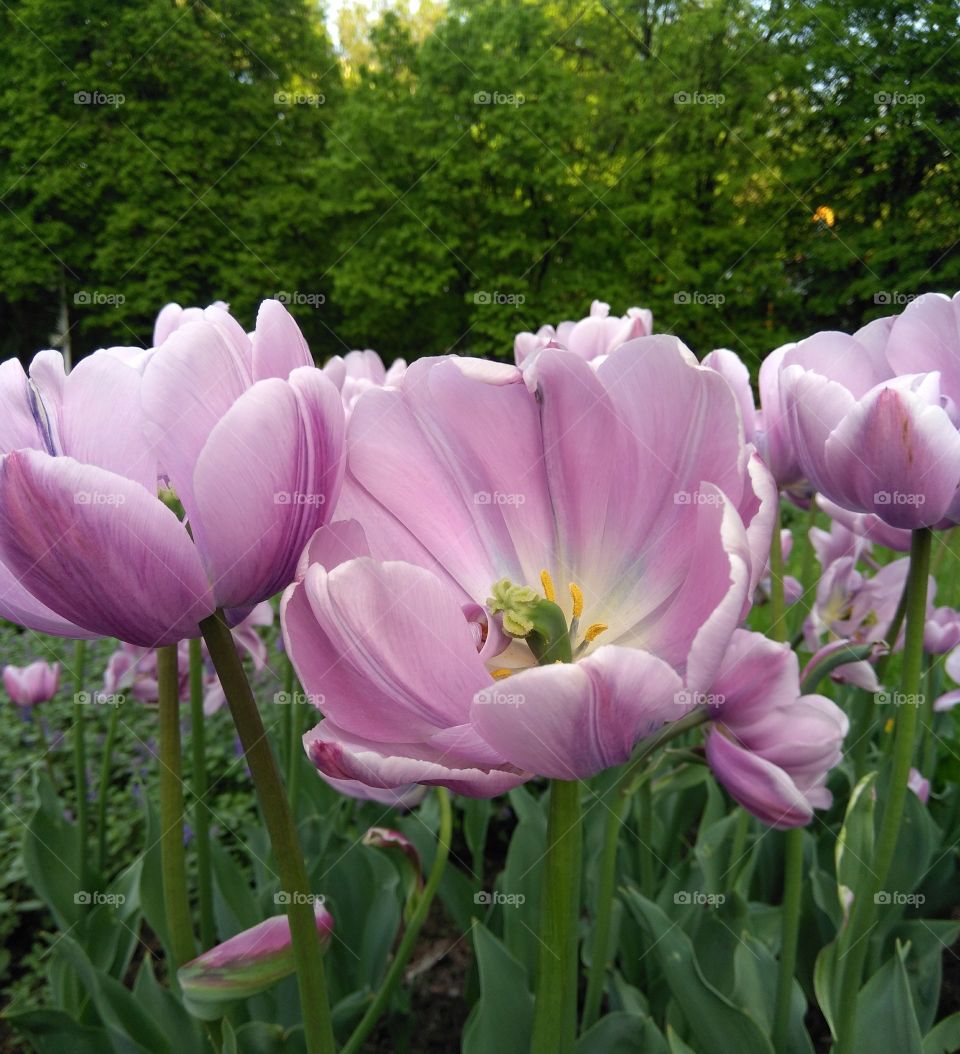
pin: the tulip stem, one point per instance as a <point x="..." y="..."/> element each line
<point x="615" y="804"/>
<point x="555" y="1008"/>
<point x="274" y="804"/>
<point x="292" y="728"/>
<point x="778" y="604"/>
<point x="793" y="840"/>
<point x="80" y="754"/>
<point x="790" y="909"/>
<point x="201" y="812"/>
<point x="864" y="907"/>
<point x="106" y="772"/>
<point x="173" y="857"/>
<point x="404" y="951"/>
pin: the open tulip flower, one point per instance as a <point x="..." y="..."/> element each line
<point x="141" y="492"/>
<point x="550" y="562"/>
<point x="592" y="337"/>
<point x="29" y="685"/>
<point x="769" y="746"/>
<point x="873" y="417"/>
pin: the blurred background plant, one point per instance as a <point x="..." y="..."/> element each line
<point x="447" y="175"/>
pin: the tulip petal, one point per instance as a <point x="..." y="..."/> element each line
<point x="266" y="479"/>
<point x="384" y="649"/>
<point x="98" y="550"/>
<point x="572" y="720"/>
<point x="278" y="344"/>
<point x="897" y="457"/>
<point x="340" y="755"/>
<point x="759" y="786"/>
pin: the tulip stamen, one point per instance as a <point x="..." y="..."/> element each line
<point x="548" y="591"/>
<point x="498" y="675"/>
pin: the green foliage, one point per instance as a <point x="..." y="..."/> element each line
<point x="476" y="169"/>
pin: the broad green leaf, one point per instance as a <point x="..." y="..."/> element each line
<point x="54" y="1032"/>
<point x="854" y="849"/>
<point x="718" y="1025"/>
<point x="622" y="1033"/>
<point x="502" y="1018"/>
<point x="944" y="1038"/>
<point x="886" y="1022"/>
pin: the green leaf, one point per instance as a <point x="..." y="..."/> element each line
<point x="54" y="1032"/>
<point x="944" y="1038"/>
<point x="886" y="1022"/>
<point x="117" y="1006"/>
<point x="622" y="1033"/>
<point x="185" y="1035"/>
<point x="718" y="1025"/>
<point x="51" y="856"/>
<point x="502" y="1018"/>
<point x="854" y="849"/>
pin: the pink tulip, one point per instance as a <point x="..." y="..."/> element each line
<point x="919" y="785"/>
<point x="359" y="371"/>
<point x="29" y="685"/>
<point x="246" y="963"/>
<point x="611" y="516"/>
<point x="172" y="316"/>
<point x="770" y="746"/>
<point x="596" y="335"/>
<point x="244" y="436"/>
<point x="867" y="526"/>
<point x="871" y="436"/>
<point x="734" y="371"/>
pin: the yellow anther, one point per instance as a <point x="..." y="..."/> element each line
<point x="577" y="595"/>
<point x="498" y="675"/>
<point x="888" y="727"/>
<point x="594" y="631"/>
<point x="548" y="591"/>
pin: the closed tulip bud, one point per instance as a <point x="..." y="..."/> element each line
<point x="245" y="964"/>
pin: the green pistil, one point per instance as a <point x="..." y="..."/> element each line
<point x="528" y="616"/>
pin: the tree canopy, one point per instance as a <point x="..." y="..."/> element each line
<point x="752" y="171"/>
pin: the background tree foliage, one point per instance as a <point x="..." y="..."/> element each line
<point x="458" y="173"/>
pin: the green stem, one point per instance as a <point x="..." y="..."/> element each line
<point x="106" y="772"/>
<point x="778" y="605"/>
<point x="555" y="1008"/>
<point x="615" y="805"/>
<point x="793" y="843"/>
<point x="294" y="746"/>
<point x="314" y="1005"/>
<point x="648" y="875"/>
<point x="807" y="567"/>
<point x="80" y="754"/>
<point x="173" y="857"/>
<point x="864" y="908"/>
<point x="407" y="944"/>
<point x="737" y="847"/>
<point x="792" y="890"/>
<point x="201" y="812"/>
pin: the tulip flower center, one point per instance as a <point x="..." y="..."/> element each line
<point x="540" y="621"/>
